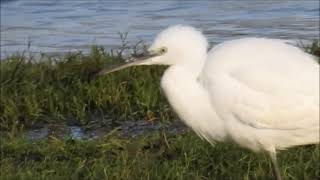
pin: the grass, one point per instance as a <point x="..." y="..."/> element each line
<point x="65" y="91"/>
<point x="182" y="157"/>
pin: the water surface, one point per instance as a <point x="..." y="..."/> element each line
<point x="53" y="26"/>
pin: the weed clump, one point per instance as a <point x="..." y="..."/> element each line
<point x="65" y="90"/>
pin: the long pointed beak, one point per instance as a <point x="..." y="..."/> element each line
<point x="142" y="59"/>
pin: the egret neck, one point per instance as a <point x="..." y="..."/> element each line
<point x="182" y="87"/>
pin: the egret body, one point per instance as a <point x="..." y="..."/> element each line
<point x="262" y="94"/>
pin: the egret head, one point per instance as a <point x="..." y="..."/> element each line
<point x="177" y="44"/>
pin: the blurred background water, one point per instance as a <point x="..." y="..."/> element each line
<point x="55" y="26"/>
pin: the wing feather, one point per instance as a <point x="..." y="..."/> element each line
<point x="275" y="89"/>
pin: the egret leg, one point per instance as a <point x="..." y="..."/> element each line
<point x="276" y="170"/>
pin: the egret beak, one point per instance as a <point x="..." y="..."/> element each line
<point x="142" y="59"/>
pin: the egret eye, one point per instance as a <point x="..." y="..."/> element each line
<point x="163" y="50"/>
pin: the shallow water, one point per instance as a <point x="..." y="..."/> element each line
<point x="124" y="129"/>
<point x="55" y="26"/>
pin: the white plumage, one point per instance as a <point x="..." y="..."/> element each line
<point x="262" y="94"/>
<point x="266" y="91"/>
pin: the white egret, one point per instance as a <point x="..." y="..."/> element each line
<point x="262" y="94"/>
